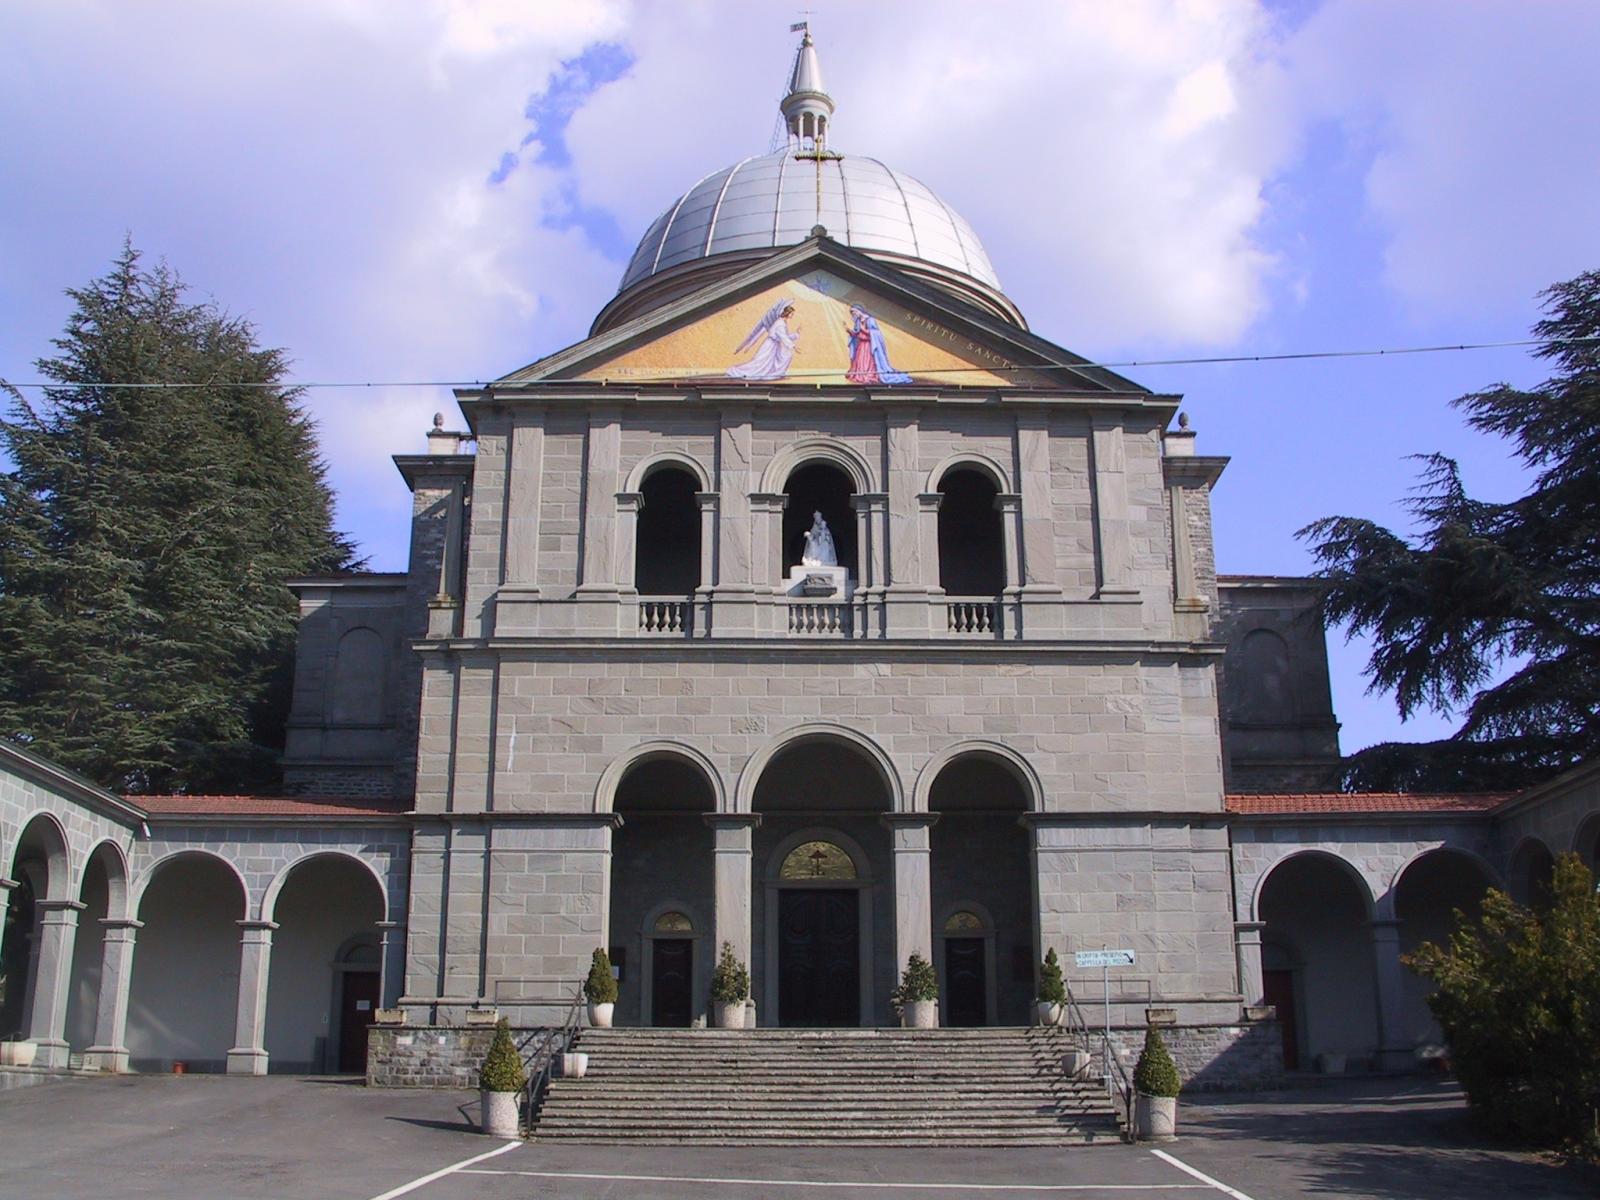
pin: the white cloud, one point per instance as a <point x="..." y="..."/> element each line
<point x="1478" y="131"/>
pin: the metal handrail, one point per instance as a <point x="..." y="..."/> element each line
<point x="539" y="1063"/>
<point x="1113" y="1073"/>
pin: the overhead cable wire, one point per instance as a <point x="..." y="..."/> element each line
<point x="995" y="369"/>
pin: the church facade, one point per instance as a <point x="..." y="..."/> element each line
<point x="815" y="606"/>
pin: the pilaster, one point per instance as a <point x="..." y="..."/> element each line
<point x="1247" y="950"/>
<point x="913" y="908"/>
<point x="732" y="840"/>
<point x="1394" y="1053"/>
<point x="110" y="1049"/>
<point x="47" y="1022"/>
<point x="1113" y="537"/>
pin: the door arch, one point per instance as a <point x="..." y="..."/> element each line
<point x="803" y="873"/>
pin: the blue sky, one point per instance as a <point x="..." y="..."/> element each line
<point x="447" y="189"/>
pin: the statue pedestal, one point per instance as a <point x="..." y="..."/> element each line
<point x="821" y="584"/>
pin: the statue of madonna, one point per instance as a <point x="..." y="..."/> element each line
<point x="819" y="550"/>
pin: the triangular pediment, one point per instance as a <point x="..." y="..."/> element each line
<point x="822" y="315"/>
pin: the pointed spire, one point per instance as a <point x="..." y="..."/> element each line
<point x="807" y="109"/>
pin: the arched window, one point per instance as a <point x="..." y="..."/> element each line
<point x="964" y="922"/>
<point x="674" y="922"/>
<point x="817" y="860"/>
<point x="1259" y="678"/>
<point x="972" y="557"/>
<point x="667" y="549"/>
<point x="358" y="668"/>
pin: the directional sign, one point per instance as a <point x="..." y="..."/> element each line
<point x="1104" y="958"/>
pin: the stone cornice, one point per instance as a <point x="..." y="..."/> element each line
<point x="789" y="649"/>
<point x="57" y="778"/>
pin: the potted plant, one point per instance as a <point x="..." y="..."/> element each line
<point x="600" y="990"/>
<point x="500" y="1083"/>
<point x="1156" y="1081"/>
<point x="730" y="988"/>
<point x="1052" y="989"/>
<point x="917" y="997"/>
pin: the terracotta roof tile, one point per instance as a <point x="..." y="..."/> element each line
<point x="271" y="806"/>
<point x="1366" y="802"/>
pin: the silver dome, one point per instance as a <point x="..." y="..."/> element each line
<point x="772" y="200"/>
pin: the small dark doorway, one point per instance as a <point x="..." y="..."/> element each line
<point x="667" y="541"/>
<point x="1278" y="989"/>
<point x="671" y="982"/>
<point x="358" y="1000"/>
<point x="971" y="538"/>
<point x="965" y="974"/>
<point x="819" y="957"/>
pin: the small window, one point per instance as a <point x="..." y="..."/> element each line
<point x="674" y="922"/>
<point x="817" y="860"/>
<point x="963" y="922"/>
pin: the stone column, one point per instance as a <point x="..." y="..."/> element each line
<point x="1113" y="538"/>
<point x="913" y="906"/>
<point x="1010" y="506"/>
<point x="1247" y="950"/>
<point x="1393" y="1052"/>
<point x="928" y="535"/>
<point x="391" y="962"/>
<point x="1038" y="516"/>
<point x="733" y="836"/>
<point x="708" y="502"/>
<point x="110" y="1051"/>
<point x="248" y="1055"/>
<point x="905" y="543"/>
<point x="603" y="462"/>
<point x="524" y="481"/>
<point x="628" y="506"/>
<point x="47" y="1019"/>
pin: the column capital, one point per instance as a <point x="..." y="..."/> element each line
<point x="930" y="500"/>
<point x="1008" y="501"/>
<point x="7" y="884"/>
<point x="257" y="926"/>
<point x="769" y="501"/>
<point x="630" y="501"/>
<point x="1249" y="926"/>
<point x="708" y="499"/>
<point x="114" y="924"/>
<point x="721" y="820"/>
<point x="909" y="820"/>
<point x="59" y="906"/>
<point x="388" y="926"/>
<point x="869" y="501"/>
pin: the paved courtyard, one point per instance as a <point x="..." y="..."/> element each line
<point x="219" y="1138"/>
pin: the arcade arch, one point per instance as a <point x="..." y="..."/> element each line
<point x="1532" y="874"/>
<point x="1428" y="893"/>
<point x="1318" y="959"/>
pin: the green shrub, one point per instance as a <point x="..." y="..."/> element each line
<point x="1156" y="1073"/>
<point x="601" y="986"/>
<point x="1052" y="990"/>
<point x="730" y="980"/>
<point x="1518" y="1000"/>
<point x="502" y="1066"/>
<point x="918" y="983"/>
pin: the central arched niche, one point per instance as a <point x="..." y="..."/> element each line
<point x="661" y="862"/>
<point x="819" y="487"/>
<point x="823" y="790"/>
<point x="971" y="539"/>
<point x="980" y="861"/>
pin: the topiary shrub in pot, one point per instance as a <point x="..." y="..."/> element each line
<point x="917" y="997"/>
<point x="1157" y="1083"/>
<point x="1052" y="990"/>
<point x="730" y="988"/>
<point x="500" y="1083"/>
<point x="600" y="990"/>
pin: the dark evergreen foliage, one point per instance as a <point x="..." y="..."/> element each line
<point x="917" y="982"/>
<point x="1518" y="1000"/>
<point x="1156" y="1074"/>
<point x="1052" y="988"/>
<point x="730" y="979"/>
<point x="145" y="536"/>
<point x="1488" y="585"/>
<point x="502" y="1066"/>
<point x="601" y="985"/>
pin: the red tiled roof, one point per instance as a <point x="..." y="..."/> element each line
<point x="271" y="806"/>
<point x="1366" y="802"/>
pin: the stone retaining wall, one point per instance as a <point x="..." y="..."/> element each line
<point x="1214" y="1058"/>
<point x="428" y="1056"/>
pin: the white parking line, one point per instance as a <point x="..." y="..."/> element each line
<point x="425" y="1180"/>
<point x="844" y="1183"/>
<point x="1235" y="1193"/>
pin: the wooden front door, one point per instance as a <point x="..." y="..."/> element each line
<point x="819" y="957"/>
<point x="1278" y="991"/>
<point x="358" y="999"/>
<point x="672" y="982"/>
<point x="965" y="982"/>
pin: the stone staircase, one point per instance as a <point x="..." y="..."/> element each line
<point x="861" y="1087"/>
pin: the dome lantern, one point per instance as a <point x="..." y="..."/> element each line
<point x="807" y="109"/>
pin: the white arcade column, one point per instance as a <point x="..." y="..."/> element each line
<point x="248" y="1055"/>
<point x="110" y="1051"/>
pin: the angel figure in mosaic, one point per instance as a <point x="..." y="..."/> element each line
<point x="775" y="345"/>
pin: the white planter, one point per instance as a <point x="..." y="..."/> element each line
<point x="921" y="1014"/>
<point x="600" y="1015"/>
<point x="17" y="1054"/>
<point x="1076" y="1063"/>
<point x="499" y="1114"/>
<point x="728" y="1014"/>
<point x="1049" y="1012"/>
<point x="1156" y="1117"/>
<point x="574" y="1064"/>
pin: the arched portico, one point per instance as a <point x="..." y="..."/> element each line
<point x="40" y="938"/>
<point x="1428" y="892"/>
